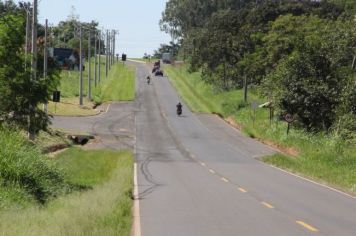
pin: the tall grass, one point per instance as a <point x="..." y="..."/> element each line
<point x="24" y="170"/>
<point x="321" y="156"/>
<point x="103" y="210"/>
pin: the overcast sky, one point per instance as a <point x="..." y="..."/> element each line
<point x="136" y="20"/>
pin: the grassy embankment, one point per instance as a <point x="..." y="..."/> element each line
<point x="322" y="157"/>
<point x="77" y="193"/>
<point x="118" y="86"/>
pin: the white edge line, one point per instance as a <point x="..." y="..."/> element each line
<point x="137" y="220"/>
<point x="136" y="213"/>
<point x="311" y="181"/>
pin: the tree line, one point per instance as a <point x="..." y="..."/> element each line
<point x="299" y="54"/>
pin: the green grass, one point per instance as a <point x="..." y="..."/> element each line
<point x="200" y="96"/>
<point x="323" y="157"/>
<point x="336" y="170"/>
<point x="104" y="209"/>
<point x="70" y="107"/>
<point x="118" y="86"/>
<point x="87" y="168"/>
<point x="14" y="198"/>
<point x="24" y="170"/>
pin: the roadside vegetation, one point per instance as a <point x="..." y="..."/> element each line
<point x="76" y="193"/>
<point x="325" y="157"/>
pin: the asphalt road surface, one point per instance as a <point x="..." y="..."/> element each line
<point x="113" y="129"/>
<point x="198" y="176"/>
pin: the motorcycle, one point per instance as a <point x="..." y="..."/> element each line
<point x="179" y="109"/>
<point x="148" y="80"/>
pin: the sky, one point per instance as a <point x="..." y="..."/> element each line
<point x="136" y="20"/>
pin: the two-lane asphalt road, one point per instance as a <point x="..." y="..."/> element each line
<point x="198" y="176"/>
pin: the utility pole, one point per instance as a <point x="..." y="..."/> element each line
<point x="107" y="54"/>
<point x="113" y="47"/>
<point x="109" y="40"/>
<point x="45" y="61"/>
<point x="27" y="36"/>
<point x="31" y="128"/>
<point x="245" y="88"/>
<point x="89" y="66"/>
<point x="95" y="58"/>
<point x="34" y="40"/>
<point x="100" y="56"/>
<point x="80" y="68"/>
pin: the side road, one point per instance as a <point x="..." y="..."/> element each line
<point x="113" y="129"/>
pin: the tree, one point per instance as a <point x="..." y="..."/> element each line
<point x="172" y="48"/>
<point x="224" y="38"/>
<point x="66" y="34"/>
<point x="20" y="96"/>
<point x="314" y="69"/>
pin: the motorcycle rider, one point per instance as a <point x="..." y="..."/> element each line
<point x="179" y="108"/>
<point x="148" y="79"/>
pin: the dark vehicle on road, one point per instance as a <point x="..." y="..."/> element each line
<point x="159" y="73"/>
<point x="157" y="63"/>
<point x="179" y="109"/>
<point x="155" y="68"/>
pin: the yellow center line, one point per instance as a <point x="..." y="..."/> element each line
<point x="305" y="225"/>
<point x="225" y="180"/>
<point x="243" y="190"/>
<point x="212" y="171"/>
<point x="267" y="205"/>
